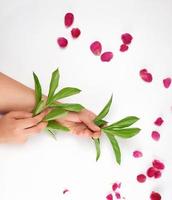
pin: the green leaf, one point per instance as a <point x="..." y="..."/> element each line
<point x="56" y="126"/>
<point x="65" y="92"/>
<point x="55" y="114"/>
<point x="105" y="111"/>
<point x="68" y="106"/>
<point x="128" y="121"/>
<point x="38" y="90"/>
<point x="101" y="123"/>
<point x="115" y="147"/>
<point x="53" y="85"/>
<point x="52" y="134"/>
<point x="97" y="145"/>
<point x="124" y="133"/>
<point x="40" y="107"/>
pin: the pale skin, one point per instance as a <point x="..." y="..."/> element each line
<point x="17" y="124"/>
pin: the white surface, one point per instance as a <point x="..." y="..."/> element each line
<point x="42" y="168"/>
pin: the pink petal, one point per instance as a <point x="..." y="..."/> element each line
<point x="157" y="174"/>
<point x="106" y="56"/>
<point x="62" y="42"/>
<point x="155" y="196"/>
<point x="68" y="19"/>
<point x="137" y="154"/>
<point x="147" y="77"/>
<point x="151" y="172"/>
<point x="109" y="197"/>
<point x="66" y="190"/>
<point x="75" y="32"/>
<point x="123" y="47"/>
<point x="158" y="164"/>
<point x="141" y="178"/>
<point x="118" y="195"/>
<point x="126" y="38"/>
<point x="167" y="82"/>
<point x="159" y="121"/>
<point x="96" y="48"/>
<point x="155" y="135"/>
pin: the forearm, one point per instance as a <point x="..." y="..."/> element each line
<point x="15" y="95"/>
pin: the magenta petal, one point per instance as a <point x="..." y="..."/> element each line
<point x="155" y="135"/>
<point x="123" y="48"/>
<point x="167" y="82"/>
<point x="109" y="197"/>
<point x="151" y="172"/>
<point x="75" y="32"/>
<point x="159" y="121"/>
<point x="147" y="77"/>
<point x="158" y="164"/>
<point x="66" y="190"/>
<point x="62" y="42"/>
<point x="68" y="19"/>
<point x="155" y="196"/>
<point x="96" y="48"/>
<point x="106" y="56"/>
<point x="126" y="38"/>
<point x="157" y="174"/>
<point x="137" y="154"/>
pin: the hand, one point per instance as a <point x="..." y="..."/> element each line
<point x="17" y="126"/>
<point x="81" y="123"/>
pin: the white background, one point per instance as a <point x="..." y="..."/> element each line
<point x="43" y="167"/>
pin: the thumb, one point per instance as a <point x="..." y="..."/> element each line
<point x="91" y="125"/>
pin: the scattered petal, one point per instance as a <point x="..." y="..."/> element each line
<point x="155" y="196"/>
<point x="126" y="38"/>
<point x="68" y="20"/>
<point x="109" y="197"/>
<point x="137" y="154"/>
<point x="116" y="186"/>
<point x="123" y="47"/>
<point x="147" y="77"/>
<point x="167" y="82"/>
<point x="118" y="195"/>
<point x="155" y="135"/>
<point x="62" y="42"/>
<point x="66" y="190"/>
<point x="157" y="174"/>
<point x="158" y="164"/>
<point x="106" y="56"/>
<point x="159" y="121"/>
<point x="96" y="48"/>
<point x="151" y="172"/>
<point x="141" y="178"/>
<point x="75" y="32"/>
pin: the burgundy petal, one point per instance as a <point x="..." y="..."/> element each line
<point x="137" y="154"/>
<point x="109" y="197"/>
<point x="106" y="56"/>
<point x="157" y="174"/>
<point x="118" y="195"/>
<point x="151" y="172"/>
<point x="158" y="164"/>
<point x="141" y="178"/>
<point x="155" y="135"/>
<point x="68" y="19"/>
<point x="146" y="76"/>
<point x="96" y="48"/>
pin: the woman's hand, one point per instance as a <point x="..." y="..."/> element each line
<point x="17" y="126"/>
<point x="81" y="123"/>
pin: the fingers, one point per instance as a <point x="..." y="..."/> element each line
<point x="36" y="129"/>
<point x="91" y="125"/>
<point x="19" y="114"/>
<point x="33" y="121"/>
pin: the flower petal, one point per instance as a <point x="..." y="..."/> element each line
<point x="155" y="135"/>
<point x="159" y="121"/>
<point x="68" y="19"/>
<point x="158" y="164"/>
<point x="75" y="32"/>
<point x="109" y="197"/>
<point x="106" y="56"/>
<point x="141" y="178"/>
<point x="123" y="47"/>
<point x="137" y="154"/>
<point x="155" y="196"/>
<point x="62" y="42"/>
<point x="145" y="75"/>
<point x="96" y="48"/>
<point x="126" y="38"/>
<point x="151" y="172"/>
<point x="167" y="82"/>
